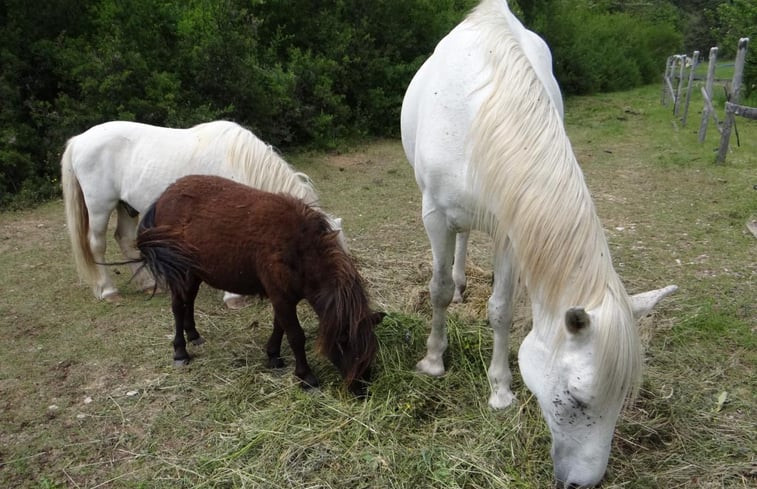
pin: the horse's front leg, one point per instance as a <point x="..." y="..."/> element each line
<point x="285" y="314"/>
<point x="103" y="287"/>
<point x="500" y="311"/>
<point x="182" y="306"/>
<point x="441" y="289"/>
<point x="235" y="301"/>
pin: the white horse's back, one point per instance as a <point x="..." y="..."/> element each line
<point x="438" y="112"/>
<point x="136" y="162"/>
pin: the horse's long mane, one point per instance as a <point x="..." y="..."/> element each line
<point x="342" y="304"/>
<point x="263" y="168"/>
<point x="523" y="163"/>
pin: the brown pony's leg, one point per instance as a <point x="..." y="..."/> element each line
<point x="285" y="314"/>
<point x="182" y="306"/>
<point x="273" y="347"/>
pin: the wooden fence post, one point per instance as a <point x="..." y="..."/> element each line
<point x="682" y="61"/>
<point x="666" y="78"/>
<point x="738" y="72"/>
<point x="707" y="94"/>
<point x="694" y="63"/>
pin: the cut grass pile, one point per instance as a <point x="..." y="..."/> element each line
<point x="90" y="399"/>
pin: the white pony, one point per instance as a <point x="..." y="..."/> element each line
<point x="482" y="127"/>
<point x="126" y="166"/>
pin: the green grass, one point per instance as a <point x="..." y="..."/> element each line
<point x="90" y="399"/>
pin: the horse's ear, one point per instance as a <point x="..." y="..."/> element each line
<point x="644" y="302"/>
<point x="577" y="320"/>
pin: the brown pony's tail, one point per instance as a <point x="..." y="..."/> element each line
<point x="163" y="253"/>
<point x="77" y="219"/>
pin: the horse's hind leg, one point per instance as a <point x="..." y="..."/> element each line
<point x="286" y="315"/>
<point x="103" y="288"/>
<point x="458" y="266"/>
<point x="500" y="311"/>
<point x="126" y="236"/>
<point x="182" y="306"/>
<point x="441" y="288"/>
<point x="273" y="347"/>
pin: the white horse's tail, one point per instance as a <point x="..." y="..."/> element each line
<point x="77" y="219"/>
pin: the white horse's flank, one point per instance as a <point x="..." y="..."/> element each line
<point x="482" y="127"/>
<point x="126" y="166"/>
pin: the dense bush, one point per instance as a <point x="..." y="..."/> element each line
<point x="739" y="19"/>
<point x="597" y="49"/>
<point x="296" y="72"/>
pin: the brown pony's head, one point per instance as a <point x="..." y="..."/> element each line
<point x="353" y="353"/>
<point x="347" y="322"/>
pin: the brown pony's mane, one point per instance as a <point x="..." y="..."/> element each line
<point x="342" y="304"/>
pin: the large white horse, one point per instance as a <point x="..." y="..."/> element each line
<point x="126" y="166"/>
<point x="482" y="127"/>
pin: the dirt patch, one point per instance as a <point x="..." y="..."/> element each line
<point x="348" y="160"/>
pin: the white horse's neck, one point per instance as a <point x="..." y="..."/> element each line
<point x="523" y="162"/>
<point x="263" y="168"/>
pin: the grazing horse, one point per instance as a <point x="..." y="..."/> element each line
<point x="126" y="165"/>
<point x="482" y="128"/>
<point x="237" y="238"/>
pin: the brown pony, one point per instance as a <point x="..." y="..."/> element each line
<point x="247" y="241"/>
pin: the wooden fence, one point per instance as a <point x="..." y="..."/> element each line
<point x="679" y="70"/>
<point x="732" y="107"/>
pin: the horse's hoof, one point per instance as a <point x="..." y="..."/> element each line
<point x="275" y="363"/>
<point x="198" y="341"/>
<point x="501" y="400"/>
<point x="181" y="363"/>
<point x="429" y="367"/>
<point x="113" y="298"/>
<point x="309" y="382"/>
<point x="236" y="302"/>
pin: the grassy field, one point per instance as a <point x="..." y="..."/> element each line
<point x="89" y="397"/>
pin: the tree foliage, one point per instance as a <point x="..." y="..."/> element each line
<point x="296" y="72"/>
<point x="738" y="19"/>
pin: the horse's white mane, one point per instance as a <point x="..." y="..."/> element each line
<point x="261" y="166"/>
<point x="519" y="150"/>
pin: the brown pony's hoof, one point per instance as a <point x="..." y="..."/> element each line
<point x="181" y="363"/>
<point x="309" y="382"/>
<point x="237" y="302"/>
<point x="198" y="341"/>
<point x="275" y="363"/>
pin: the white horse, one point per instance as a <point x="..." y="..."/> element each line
<point x="126" y="166"/>
<point x="482" y="127"/>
